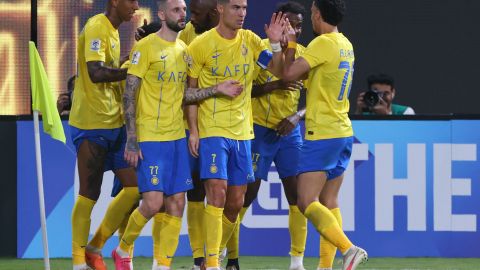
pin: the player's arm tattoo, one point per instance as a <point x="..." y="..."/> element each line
<point x="133" y="83"/>
<point x="99" y="73"/>
<point x="194" y="95"/>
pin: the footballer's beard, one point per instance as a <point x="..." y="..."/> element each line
<point x="174" y="25"/>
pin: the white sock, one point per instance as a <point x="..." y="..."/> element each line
<point x="122" y="253"/>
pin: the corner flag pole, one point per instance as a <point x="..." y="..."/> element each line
<point x="41" y="196"/>
<point x="43" y="101"/>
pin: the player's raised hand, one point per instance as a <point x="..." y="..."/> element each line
<point x="132" y="152"/>
<point x="230" y="88"/>
<point x="276" y="28"/>
<point x="140" y="31"/>
<point x="289" y="32"/>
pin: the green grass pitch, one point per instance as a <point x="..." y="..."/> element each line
<point x="251" y="263"/>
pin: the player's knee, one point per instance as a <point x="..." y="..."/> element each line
<point x="150" y="207"/>
<point x="216" y="194"/>
<point x="303" y="203"/>
<point x="175" y="206"/>
<point x="329" y="202"/>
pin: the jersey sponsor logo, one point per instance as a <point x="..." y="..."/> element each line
<point x="231" y="71"/>
<point x="164" y="76"/>
<point x="244" y="50"/>
<point x="95" y="45"/>
<point x="136" y="58"/>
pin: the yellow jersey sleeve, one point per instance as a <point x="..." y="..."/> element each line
<point x="319" y="51"/>
<point x="140" y="61"/>
<point x="188" y="34"/>
<point x="96" y="40"/>
<point x="195" y="60"/>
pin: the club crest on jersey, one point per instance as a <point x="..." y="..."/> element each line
<point x="244" y="50"/>
<point x="154" y="181"/>
<point x="95" y="45"/>
<point x="188" y="59"/>
<point x="135" y="58"/>
<point x="255" y="167"/>
<point x="213" y="168"/>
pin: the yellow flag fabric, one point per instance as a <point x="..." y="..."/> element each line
<point x="42" y="98"/>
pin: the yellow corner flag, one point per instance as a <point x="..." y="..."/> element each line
<point x="42" y="98"/>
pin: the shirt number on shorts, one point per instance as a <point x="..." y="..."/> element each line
<point x="153" y="170"/>
<point x="349" y="73"/>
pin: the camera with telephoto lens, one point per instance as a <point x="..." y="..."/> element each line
<point x="371" y="98"/>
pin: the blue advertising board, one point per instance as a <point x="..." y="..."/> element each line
<point x="412" y="189"/>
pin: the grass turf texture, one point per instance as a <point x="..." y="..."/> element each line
<point x="250" y="263"/>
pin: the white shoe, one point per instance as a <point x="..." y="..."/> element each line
<point x="195" y="267"/>
<point x="354" y="257"/>
<point x="231" y="267"/>
<point x="81" y="267"/>
<point x="154" y="264"/>
<point x="296" y="263"/>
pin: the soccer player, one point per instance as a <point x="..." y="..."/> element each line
<point x="156" y="142"/>
<point x="328" y="62"/>
<point x="97" y="127"/>
<point x="277" y="139"/>
<point x="204" y="16"/>
<point x="225" y="124"/>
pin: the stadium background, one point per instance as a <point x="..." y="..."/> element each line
<point x="430" y="48"/>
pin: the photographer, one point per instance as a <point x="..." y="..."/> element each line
<point x="379" y="97"/>
<point x="64" y="101"/>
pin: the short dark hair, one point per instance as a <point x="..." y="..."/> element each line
<point x="292" y="7"/>
<point x="71" y="83"/>
<point x="380" y="78"/>
<point x="223" y="1"/>
<point x="332" y="10"/>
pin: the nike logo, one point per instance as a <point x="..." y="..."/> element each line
<point x="163" y="57"/>
<point x="169" y="257"/>
<point x="350" y="266"/>
<point x="216" y="55"/>
<point x="211" y="255"/>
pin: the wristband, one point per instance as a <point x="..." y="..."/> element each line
<point x="292" y="45"/>
<point x="276" y="47"/>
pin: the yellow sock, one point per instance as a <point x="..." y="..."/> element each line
<point x="119" y="208"/>
<point x="233" y="243"/>
<point x="212" y="222"/>
<point x="195" y="211"/>
<point x="170" y="233"/>
<point x="228" y="229"/>
<point x="327" y="249"/>
<point x="326" y="224"/>
<point x="136" y="222"/>
<point x="80" y="228"/>
<point x="297" y="226"/>
<point x="156" y="229"/>
<point x="121" y="231"/>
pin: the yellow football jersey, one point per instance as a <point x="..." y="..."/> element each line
<point x="97" y="105"/>
<point x="270" y="109"/>
<point x="331" y="60"/>
<point x="188" y="34"/>
<point x="162" y="67"/>
<point x="214" y="59"/>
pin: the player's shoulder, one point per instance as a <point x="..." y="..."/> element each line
<point x="249" y="34"/>
<point x="203" y="39"/>
<point x="98" y="22"/>
<point x="145" y="42"/>
<point x="181" y="44"/>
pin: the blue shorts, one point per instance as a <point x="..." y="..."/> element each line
<point x="222" y="158"/>
<point x="194" y="162"/>
<point x="113" y="140"/>
<point x="164" y="167"/>
<point x="268" y="147"/>
<point x="331" y="156"/>
<point x="117" y="187"/>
